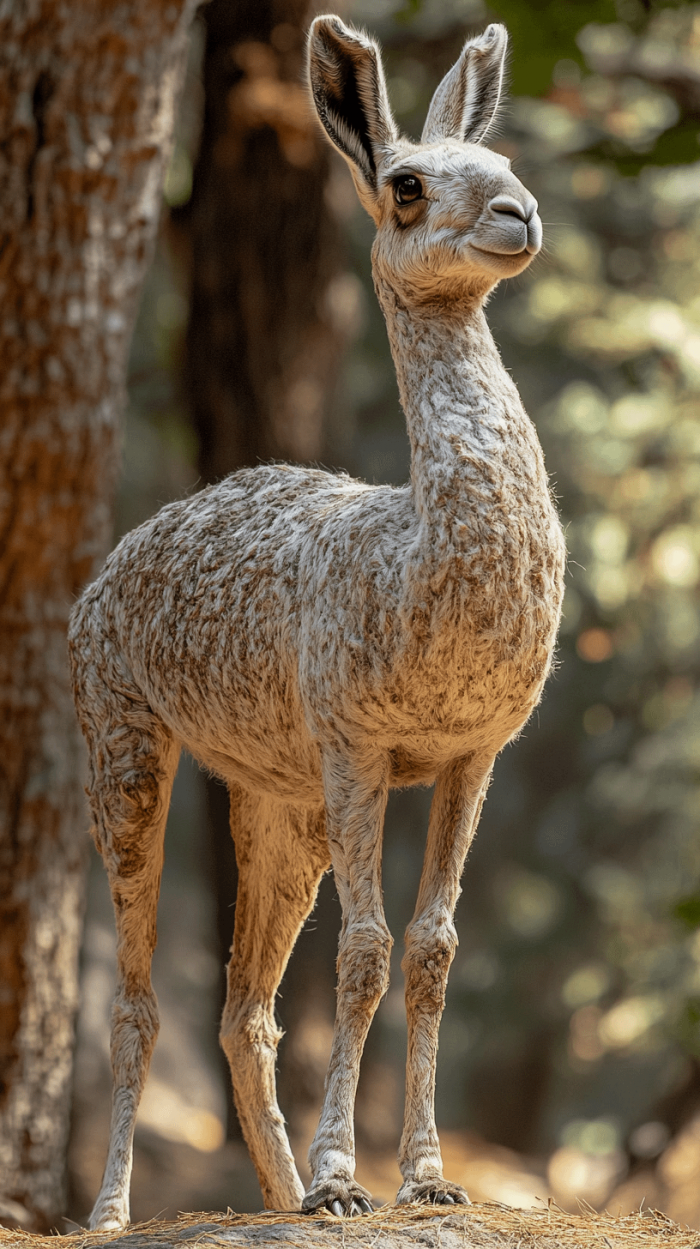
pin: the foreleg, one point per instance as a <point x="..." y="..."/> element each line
<point x="431" y="941"/>
<point x="356" y="794"/>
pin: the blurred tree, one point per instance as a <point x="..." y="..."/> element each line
<point x="270" y="310"/>
<point x="87" y="94"/>
<point x="267" y="305"/>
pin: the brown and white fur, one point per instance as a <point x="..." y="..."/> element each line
<point x="314" y="640"/>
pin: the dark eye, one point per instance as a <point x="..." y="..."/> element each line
<point x="407" y="189"/>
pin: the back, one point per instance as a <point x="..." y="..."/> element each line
<point x="202" y="605"/>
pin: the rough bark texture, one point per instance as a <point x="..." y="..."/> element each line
<point x="269" y="317"/>
<point x="87" y="93"/>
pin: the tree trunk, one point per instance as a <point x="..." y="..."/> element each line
<point x="270" y="314"/>
<point x="265" y="328"/>
<point x="87" y="94"/>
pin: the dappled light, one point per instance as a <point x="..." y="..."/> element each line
<point x="164" y="1111"/>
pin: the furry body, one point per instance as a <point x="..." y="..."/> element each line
<point x="314" y="640"/>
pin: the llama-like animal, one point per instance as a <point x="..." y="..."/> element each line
<point x="314" y="640"/>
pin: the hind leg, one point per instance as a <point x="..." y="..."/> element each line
<point x="281" y="853"/>
<point x="133" y="759"/>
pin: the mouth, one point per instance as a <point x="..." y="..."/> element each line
<point x="499" y="255"/>
<point x="505" y="261"/>
<point x="508" y="236"/>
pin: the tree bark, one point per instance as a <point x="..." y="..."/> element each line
<point x="87" y="95"/>
<point x="270" y="314"/>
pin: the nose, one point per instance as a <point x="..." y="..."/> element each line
<point x="510" y="205"/>
<point x="526" y="212"/>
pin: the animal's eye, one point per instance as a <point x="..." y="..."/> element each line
<point x="407" y="189"/>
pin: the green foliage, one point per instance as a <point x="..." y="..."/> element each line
<point x="680" y="145"/>
<point x="687" y="910"/>
<point x="689" y="1027"/>
<point x="409" y="10"/>
<point x="543" y="33"/>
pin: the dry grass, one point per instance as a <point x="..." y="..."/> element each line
<point x="523" y="1229"/>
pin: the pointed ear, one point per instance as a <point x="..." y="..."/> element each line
<point x="349" y="93"/>
<point x="466" y="102"/>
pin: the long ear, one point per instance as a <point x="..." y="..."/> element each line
<point x="349" y="92"/>
<point x="466" y="102"/>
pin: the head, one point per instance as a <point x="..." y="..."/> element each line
<point x="452" y="219"/>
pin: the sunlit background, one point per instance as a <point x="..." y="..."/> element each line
<point x="570" y="1049"/>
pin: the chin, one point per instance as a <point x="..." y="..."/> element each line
<point x="471" y="273"/>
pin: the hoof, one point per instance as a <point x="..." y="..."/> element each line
<point x="435" y="1192"/>
<point x="345" y="1199"/>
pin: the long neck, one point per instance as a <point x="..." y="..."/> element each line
<point x="474" y="449"/>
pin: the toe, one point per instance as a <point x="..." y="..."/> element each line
<point x="360" y="1205"/>
<point x="345" y="1199"/>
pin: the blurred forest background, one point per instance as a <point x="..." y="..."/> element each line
<point x="570" y="1048"/>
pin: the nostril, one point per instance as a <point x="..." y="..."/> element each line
<point x="509" y="207"/>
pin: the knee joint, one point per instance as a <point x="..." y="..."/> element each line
<point x="249" y="1028"/>
<point x="135" y="1026"/>
<point x="426" y="964"/>
<point x="363" y="963"/>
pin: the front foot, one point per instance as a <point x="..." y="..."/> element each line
<point x="345" y="1198"/>
<point x="436" y="1192"/>
<point x="109" y="1216"/>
